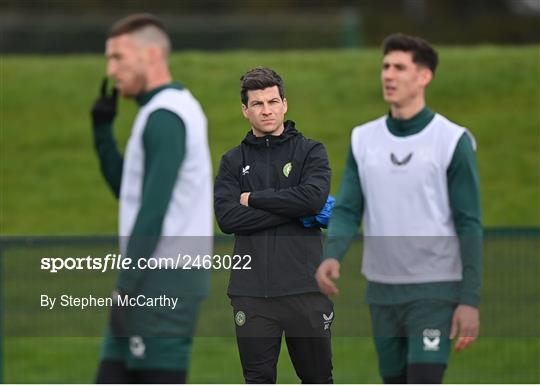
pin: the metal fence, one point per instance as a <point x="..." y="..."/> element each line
<point x="510" y="306"/>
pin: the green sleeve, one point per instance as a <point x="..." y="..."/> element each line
<point x="164" y="141"/>
<point x="464" y="195"/>
<point x="110" y="159"/>
<point x="347" y="213"/>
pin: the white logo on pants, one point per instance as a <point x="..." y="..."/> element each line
<point x="327" y="320"/>
<point x="137" y="346"/>
<point x="432" y="339"/>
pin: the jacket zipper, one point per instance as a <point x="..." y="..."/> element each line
<point x="267" y="236"/>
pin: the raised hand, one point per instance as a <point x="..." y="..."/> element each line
<point x="104" y="108"/>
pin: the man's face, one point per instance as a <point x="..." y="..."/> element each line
<point x="125" y="64"/>
<point x="403" y="81"/>
<point x="265" y="110"/>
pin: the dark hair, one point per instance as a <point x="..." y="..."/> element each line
<point x="423" y="53"/>
<point x="135" y="22"/>
<point x="260" y="78"/>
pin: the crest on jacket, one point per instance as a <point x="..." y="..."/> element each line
<point x="287" y="169"/>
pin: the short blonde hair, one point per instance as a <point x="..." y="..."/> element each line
<point x="145" y="27"/>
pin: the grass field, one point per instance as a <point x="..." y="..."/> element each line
<point x="41" y="345"/>
<point x="50" y="176"/>
<point x="50" y="185"/>
<point x="215" y="360"/>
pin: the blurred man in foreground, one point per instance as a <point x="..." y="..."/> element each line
<point x="164" y="187"/>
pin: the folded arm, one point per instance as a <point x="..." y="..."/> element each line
<point x="231" y="215"/>
<point x="305" y="199"/>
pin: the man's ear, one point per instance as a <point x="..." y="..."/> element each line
<point x="153" y="53"/>
<point x="425" y="76"/>
<point x="244" y="110"/>
<point x="285" y="105"/>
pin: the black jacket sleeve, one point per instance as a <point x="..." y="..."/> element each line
<point x="305" y="199"/>
<point x="233" y="217"/>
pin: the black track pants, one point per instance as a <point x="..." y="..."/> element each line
<point x="305" y="320"/>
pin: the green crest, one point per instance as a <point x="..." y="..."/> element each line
<point x="287" y="169"/>
<point x="240" y="318"/>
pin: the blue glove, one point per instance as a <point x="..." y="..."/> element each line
<point x="308" y="221"/>
<point x="321" y="219"/>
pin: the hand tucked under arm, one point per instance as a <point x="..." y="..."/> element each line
<point x="244" y="198"/>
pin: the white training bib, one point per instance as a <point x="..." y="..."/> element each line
<point x="189" y="211"/>
<point x="408" y="226"/>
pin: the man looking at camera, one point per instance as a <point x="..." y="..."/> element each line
<point x="264" y="189"/>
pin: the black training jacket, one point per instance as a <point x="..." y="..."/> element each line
<point x="288" y="177"/>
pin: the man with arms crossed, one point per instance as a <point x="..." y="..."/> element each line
<point x="264" y="187"/>
<point x="412" y="177"/>
<point x="164" y="186"/>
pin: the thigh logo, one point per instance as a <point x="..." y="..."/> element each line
<point x="327" y="320"/>
<point x="432" y="339"/>
<point x="137" y="346"/>
<point x="240" y="318"/>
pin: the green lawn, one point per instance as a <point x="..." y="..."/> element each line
<point x="46" y="346"/>
<point x="50" y="177"/>
<point x="50" y="185"/>
<point x="215" y="360"/>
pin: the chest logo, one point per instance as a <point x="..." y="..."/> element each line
<point x="287" y="169"/>
<point x="245" y="170"/>
<point x="397" y="162"/>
